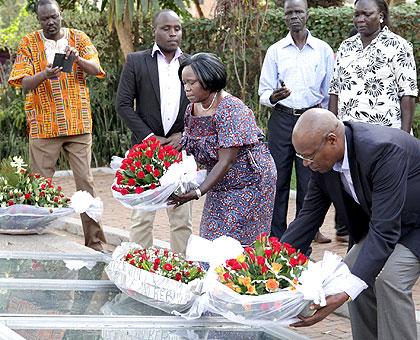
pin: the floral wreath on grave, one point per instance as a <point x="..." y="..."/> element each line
<point x="30" y="202"/>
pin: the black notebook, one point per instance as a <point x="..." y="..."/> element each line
<point x="66" y="64"/>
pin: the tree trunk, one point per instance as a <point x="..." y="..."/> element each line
<point x="199" y="10"/>
<point x="125" y="36"/>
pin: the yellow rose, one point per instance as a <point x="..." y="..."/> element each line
<point x="271" y="285"/>
<point x="219" y="270"/>
<point x="276" y="267"/>
<point x="241" y="258"/>
<point x="246" y="281"/>
<point x="251" y="289"/>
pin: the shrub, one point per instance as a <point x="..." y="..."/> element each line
<point x="241" y="40"/>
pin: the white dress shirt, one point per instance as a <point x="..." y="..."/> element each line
<point x="306" y="72"/>
<point x="55" y="46"/>
<point x="170" y="87"/>
<point x="354" y="285"/>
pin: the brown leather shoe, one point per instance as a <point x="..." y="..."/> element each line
<point x="342" y="238"/>
<point x="319" y="238"/>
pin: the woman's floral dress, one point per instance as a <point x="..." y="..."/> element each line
<point x="241" y="204"/>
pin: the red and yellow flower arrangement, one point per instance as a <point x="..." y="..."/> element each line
<point x="266" y="267"/>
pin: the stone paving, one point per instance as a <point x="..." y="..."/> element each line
<point x="117" y="216"/>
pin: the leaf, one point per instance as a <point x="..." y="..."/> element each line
<point x="148" y="179"/>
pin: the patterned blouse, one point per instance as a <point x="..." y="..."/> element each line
<point x="370" y="82"/>
<point x="58" y="106"/>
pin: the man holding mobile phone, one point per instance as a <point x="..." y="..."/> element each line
<point x="295" y="77"/>
<point x="57" y="104"/>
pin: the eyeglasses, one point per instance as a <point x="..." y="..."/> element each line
<point x="311" y="158"/>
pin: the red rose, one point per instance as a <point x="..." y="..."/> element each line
<point x="149" y="153"/>
<point x="138" y="190"/>
<point x="268" y="253"/>
<point x="143" y="146"/>
<point x="124" y="192"/>
<point x="138" y="164"/>
<point x="148" y="168"/>
<point x="27" y="196"/>
<point x="124" y="166"/>
<point x="156" y="172"/>
<point x="56" y="198"/>
<point x="302" y="258"/>
<point x="161" y="156"/>
<point x="234" y="264"/>
<point x="140" y="174"/>
<point x="152" y="186"/>
<point x="119" y="180"/>
<point x="260" y="260"/>
<point x="10" y="203"/>
<point x="42" y="194"/>
<point x="166" y="164"/>
<point x="129" y="161"/>
<point x="293" y="262"/>
<point x="131" y="182"/>
<point x="59" y="188"/>
<point x="167" y="266"/>
<point x="43" y="186"/>
<point x="245" y="265"/>
<point x="178" y="277"/>
<point x="264" y="269"/>
<point x="226" y="276"/>
<point x="273" y="239"/>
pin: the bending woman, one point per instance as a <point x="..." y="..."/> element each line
<point x="221" y="133"/>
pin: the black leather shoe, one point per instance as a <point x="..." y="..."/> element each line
<point x="319" y="238"/>
<point x="342" y="238"/>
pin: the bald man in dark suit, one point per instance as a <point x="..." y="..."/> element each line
<point x="372" y="175"/>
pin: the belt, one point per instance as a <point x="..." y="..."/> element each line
<point x="295" y="112"/>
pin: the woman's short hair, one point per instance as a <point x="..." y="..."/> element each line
<point x="208" y="68"/>
<point x="383" y="7"/>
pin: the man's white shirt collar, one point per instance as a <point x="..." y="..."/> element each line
<point x="288" y="40"/>
<point x="156" y="49"/>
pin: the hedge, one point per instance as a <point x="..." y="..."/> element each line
<point x="240" y="40"/>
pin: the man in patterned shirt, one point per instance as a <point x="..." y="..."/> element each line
<point x="57" y="104"/>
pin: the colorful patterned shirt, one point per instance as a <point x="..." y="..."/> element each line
<point x="370" y="81"/>
<point x="58" y="106"/>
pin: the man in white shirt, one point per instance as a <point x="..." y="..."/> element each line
<point x="295" y="76"/>
<point x="152" y="101"/>
<point x="372" y="175"/>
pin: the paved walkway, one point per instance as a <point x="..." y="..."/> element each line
<point x="117" y="216"/>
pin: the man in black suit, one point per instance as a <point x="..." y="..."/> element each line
<point x="372" y="175"/>
<point x="150" y="80"/>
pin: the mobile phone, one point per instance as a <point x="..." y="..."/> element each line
<point x="60" y="61"/>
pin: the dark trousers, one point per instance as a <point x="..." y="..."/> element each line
<point x="280" y="127"/>
<point x="340" y="227"/>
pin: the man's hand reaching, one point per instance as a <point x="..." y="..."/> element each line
<point x="333" y="302"/>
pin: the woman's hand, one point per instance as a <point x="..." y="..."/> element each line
<point x="179" y="200"/>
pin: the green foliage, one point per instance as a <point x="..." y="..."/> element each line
<point x="241" y="40"/>
<point x="23" y="23"/>
<point x="416" y="122"/>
